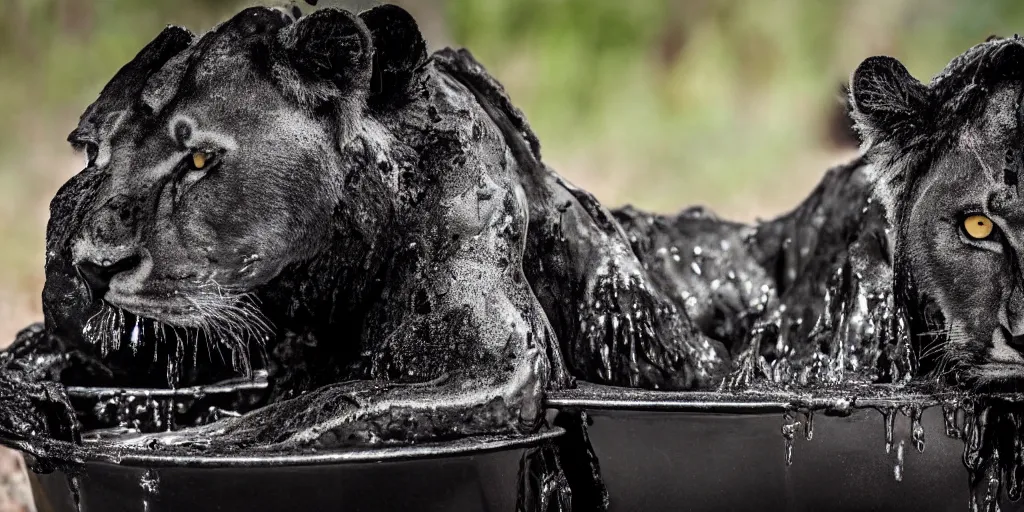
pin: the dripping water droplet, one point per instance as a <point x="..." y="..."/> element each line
<point x="136" y="334"/>
<point x="897" y="470"/>
<point x="1015" y="470"/>
<point x="789" y="426"/>
<point x="949" y="421"/>
<point x="809" y="425"/>
<point x="76" y="491"/>
<point x="973" y="440"/>
<point x="116" y="328"/>
<point x="890" y="423"/>
<point x="992" y="494"/>
<point x="916" y="429"/>
<point x="160" y="341"/>
<point x="150" y="483"/>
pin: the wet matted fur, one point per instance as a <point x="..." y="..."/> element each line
<point x="372" y="225"/>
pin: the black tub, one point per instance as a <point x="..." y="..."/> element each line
<point x="479" y="473"/>
<point x="657" y="451"/>
<point x="473" y="474"/>
<point x="707" y="451"/>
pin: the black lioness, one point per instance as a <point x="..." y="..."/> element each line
<point x="373" y="226"/>
<point x="904" y="263"/>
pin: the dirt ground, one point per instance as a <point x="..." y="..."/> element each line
<point x="15" y="494"/>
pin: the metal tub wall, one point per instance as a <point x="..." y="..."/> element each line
<point x="472" y="476"/>
<point x="657" y="453"/>
<point x="659" y="460"/>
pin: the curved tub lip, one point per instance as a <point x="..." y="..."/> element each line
<point x="93" y="453"/>
<point x="187" y="392"/>
<point x="99" y="451"/>
<point x="473" y="445"/>
<point x="752" y="401"/>
<point x="584" y="396"/>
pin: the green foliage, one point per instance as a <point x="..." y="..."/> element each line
<point x="676" y="93"/>
<point x="56" y="54"/>
<point x="713" y="101"/>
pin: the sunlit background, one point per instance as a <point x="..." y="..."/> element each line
<point x="730" y="103"/>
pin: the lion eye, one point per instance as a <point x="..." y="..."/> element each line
<point x="978" y="227"/>
<point x="199" y="160"/>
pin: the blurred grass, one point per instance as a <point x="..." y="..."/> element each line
<point x="660" y="103"/>
<point x="724" y="102"/>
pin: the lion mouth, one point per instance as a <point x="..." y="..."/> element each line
<point x="214" y="319"/>
<point x="172" y="311"/>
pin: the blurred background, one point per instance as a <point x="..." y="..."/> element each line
<point x="735" y="104"/>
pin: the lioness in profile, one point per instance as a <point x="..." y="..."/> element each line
<point x="375" y="228"/>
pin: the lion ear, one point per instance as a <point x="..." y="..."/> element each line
<point x="125" y="88"/>
<point x="330" y="46"/>
<point x="399" y="50"/>
<point x="887" y="102"/>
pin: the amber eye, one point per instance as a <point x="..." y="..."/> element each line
<point x="199" y="160"/>
<point x="978" y="227"/>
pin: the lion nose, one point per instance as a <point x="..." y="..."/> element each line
<point x="97" y="275"/>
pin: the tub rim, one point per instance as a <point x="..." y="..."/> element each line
<point x="93" y="453"/>
<point x="752" y="401"/>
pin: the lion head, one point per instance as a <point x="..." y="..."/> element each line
<point x="947" y="160"/>
<point x="236" y="180"/>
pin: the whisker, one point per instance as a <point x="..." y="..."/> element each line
<point x="222" y="318"/>
<point x="231" y="320"/>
